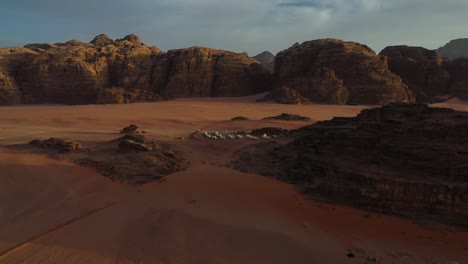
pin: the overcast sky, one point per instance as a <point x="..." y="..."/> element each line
<point x="238" y="25"/>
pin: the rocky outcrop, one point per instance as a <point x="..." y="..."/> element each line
<point x="131" y="129"/>
<point x="457" y="48"/>
<point x="458" y="70"/>
<point x="405" y="159"/>
<point x="12" y="61"/>
<point x="336" y="72"/>
<point x="130" y="146"/>
<point x="422" y="69"/>
<point x="123" y="71"/>
<point x="204" y="72"/>
<point x="39" y="47"/>
<point x="80" y="73"/>
<point x="102" y="40"/>
<point x="267" y="59"/>
<point x="60" y="144"/>
<point x="128" y="159"/>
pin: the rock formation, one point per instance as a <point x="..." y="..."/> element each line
<point x="78" y="73"/>
<point x="204" y="72"/>
<point x="267" y="60"/>
<point x="457" y="48"/>
<point x="127" y="159"/>
<point x="421" y="68"/>
<point x="63" y="145"/>
<point x="12" y="61"/>
<point x="102" y="40"/>
<point x="123" y="71"/>
<point x="405" y="159"/>
<point x="336" y="72"/>
<point x="458" y="70"/>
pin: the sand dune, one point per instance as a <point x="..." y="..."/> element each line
<point x="56" y="212"/>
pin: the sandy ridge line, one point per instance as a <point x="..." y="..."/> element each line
<point x="11" y="250"/>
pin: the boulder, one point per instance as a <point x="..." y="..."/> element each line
<point x="132" y="38"/>
<point x="102" y="40"/>
<point x="131" y="129"/>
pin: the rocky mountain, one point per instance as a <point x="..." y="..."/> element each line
<point x="421" y="68"/>
<point x="427" y="73"/>
<point x="122" y="71"/>
<point x="267" y="59"/>
<point x="404" y="159"/>
<point x="458" y="70"/>
<point x="457" y="48"/>
<point x="333" y="71"/>
<point x="125" y="70"/>
<point x="204" y="72"/>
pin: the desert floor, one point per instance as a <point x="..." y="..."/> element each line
<point x="52" y="211"/>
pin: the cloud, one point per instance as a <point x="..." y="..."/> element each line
<point x="312" y="4"/>
<point x="242" y="25"/>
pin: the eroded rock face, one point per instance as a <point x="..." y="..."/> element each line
<point x="336" y="72"/>
<point x="405" y="159"/>
<point x="204" y="72"/>
<point x="12" y="60"/>
<point x="459" y="77"/>
<point x="421" y="68"/>
<point x="128" y="159"/>
<point x="80" y="73"/>
<point x="124" y="71"/>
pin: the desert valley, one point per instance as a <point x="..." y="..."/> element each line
<point x="116" y="152"/>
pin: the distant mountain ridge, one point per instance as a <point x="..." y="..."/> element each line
<point x="457" y="48"/>
<point x="267" y="59"/>
<point x="327" y="71"/>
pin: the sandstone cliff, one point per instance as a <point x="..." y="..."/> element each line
<point x="123" y="71"/>
<point x="421" y="68"/>
<point x="204" y="72"/>
<point x="12" y="61"/>
<point x="337" y="72"/>
<point x="458" y="70"/>
<point x="402" y="159"/>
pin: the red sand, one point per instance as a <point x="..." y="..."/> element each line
<point x="52" y="211"/>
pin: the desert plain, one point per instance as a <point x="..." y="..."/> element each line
<point x="55" y="211"/>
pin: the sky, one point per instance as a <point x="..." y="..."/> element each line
<point x="250" y="26"/>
